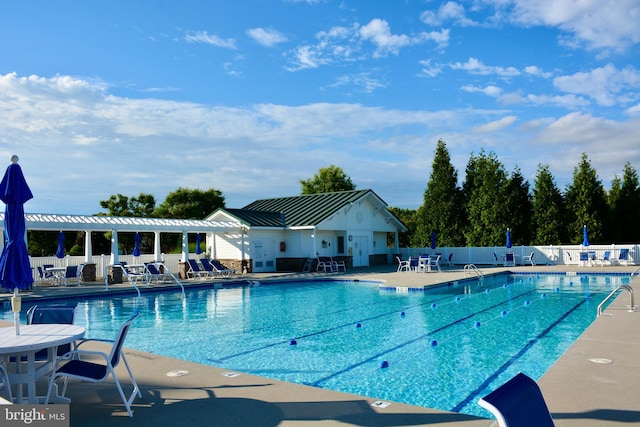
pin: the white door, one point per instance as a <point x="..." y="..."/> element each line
<point x="360" y="251"/>
<point x="264" y="256"/>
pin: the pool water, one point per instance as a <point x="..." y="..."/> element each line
<point x="443" y="348"/>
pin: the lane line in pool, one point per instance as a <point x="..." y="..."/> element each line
<point x="474" y="395"/>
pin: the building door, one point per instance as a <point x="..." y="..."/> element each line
<point x="264" y="256"/>
<point x="360" y="251"/>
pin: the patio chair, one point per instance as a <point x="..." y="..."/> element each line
<point x="6" y="386"/>
<point x="39" y="314"/>
<point x="155" y="275"/>
<point x="208" y="268"/>
<point x="528" y="259"/>
<point x="518" y="403"/>
<point x="509" y="260"/>
<point x="194" y="270"/>
<point x="324" y="264"/>
<point x="403" y="265"/>
<point x="448" y="261"/>
<point x="413" y="263"/>
<point x="71" y="275"/>
<point x="624" y="257"/>
<point x="95" y="372"/>
<point x="224" y="271"/>
<point x="435" y="262"/>
<point x="45" y="276"/>
<point x="605" y="260"/>
<point x="337" y="265"/>
<point x="584" y="259"/>
<point x="424" y="264"/>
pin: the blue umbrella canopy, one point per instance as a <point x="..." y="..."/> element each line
<point x="585" y="236"/>
<point x="433" y="240"/>
<point x="15" y="269"/>
<point x="60" y="250"/>
<point x="198" y="248"/>
<point x="136" y="245"/>
<point x="509" y="239"/>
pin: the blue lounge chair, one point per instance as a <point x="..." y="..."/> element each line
<point x="221" y="269"/>
<point x="208" y="268"/>
<point x="528" y="259"/>
<point x="194" y="270"/>
<point x="606" y="258"/>
<point x="624" y="257"/>
<point x="155" y="275"/>
<point x="95" y="372"/>
<point x="518" y="403"/>
<point x="584" y="259"/>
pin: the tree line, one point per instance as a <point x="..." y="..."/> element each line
<point x="490" y="200"/>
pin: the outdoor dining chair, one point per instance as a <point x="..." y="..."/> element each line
<point x="95" y="372"/>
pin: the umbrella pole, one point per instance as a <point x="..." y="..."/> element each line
<point x="16" y="306"/>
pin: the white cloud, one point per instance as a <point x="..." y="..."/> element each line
<point x="475" y="66"/>
<point x="378" y="32"/>
<point x="495" y="125"/>
<point x="490" y="90"/>
<point x="607" y="85"/>
<point x="269" y="37"/>
<point x="211" y="39"/>
<point x="596" y="24"/>
<point x="429" y="69"/>
<point x="447" y="12"/>
<point x="537" y="72"/>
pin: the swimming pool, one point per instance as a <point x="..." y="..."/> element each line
<point x="441" y="348"/>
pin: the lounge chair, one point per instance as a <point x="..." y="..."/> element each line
<point x="509" y="260"/>
<point x="528" y="259"/>
<point x="449" y="260"/>
<point x="85" y="370"/>
<point x="624" y="257"/>
<point x="194" y="270"/>
<point x="208" y="268"/>
<point x="155" y="275"/>
<point x="518" y="403"/>
<point x="221" y="269"/>
<point x="403" y="265"/>
<point x="605" y="260"/>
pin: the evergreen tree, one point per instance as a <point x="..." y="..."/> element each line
<point x="327" y="180"/>
<point x="548" y="221"/>
<point x="485" y="190"/>
<point x="624" y="204"/>
<point x="586" y="204"/>
<point x="442" y="209"/>
<point x="408" y="218"/>
<point x="518" y="208"/>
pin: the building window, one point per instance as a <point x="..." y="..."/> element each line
<point x="341" y="244"/>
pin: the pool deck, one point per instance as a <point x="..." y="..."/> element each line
<point x="578" y="391"/>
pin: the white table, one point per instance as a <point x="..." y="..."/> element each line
<point x="32" y="339"/>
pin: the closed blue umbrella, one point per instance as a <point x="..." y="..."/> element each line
<point x="136" y="245"/>
<point x="60" y="251"/>
<point x="198" y="249"/>
<point x="509" y="238"/>
<point x="585" y="236"/>
<point x="15" y="269"/>
<point x="433" y="240"/>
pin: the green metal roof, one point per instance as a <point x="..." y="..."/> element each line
<point x="309" y="209"/>
<point x="258" y="218"/>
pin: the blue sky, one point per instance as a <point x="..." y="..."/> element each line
<point x="249" y="96"/>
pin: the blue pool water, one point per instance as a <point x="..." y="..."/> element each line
<point x="445" y="347"/>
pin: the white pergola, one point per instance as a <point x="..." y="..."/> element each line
<point x="89" y="224"/>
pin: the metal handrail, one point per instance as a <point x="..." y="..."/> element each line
<point x="472" y="268"/>
<point x="621" y="287"/>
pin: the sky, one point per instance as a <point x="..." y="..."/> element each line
<point x="251" y="96"/>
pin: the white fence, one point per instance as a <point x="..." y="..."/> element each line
<point x="543" y="255"/>
<point x="171" y="261"/>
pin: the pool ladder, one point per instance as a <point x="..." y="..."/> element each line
<point x="472" y="269"/>
<point x="611" y="295"/>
